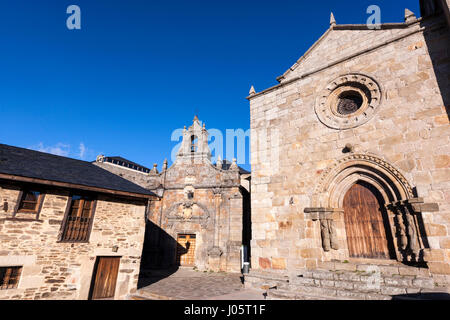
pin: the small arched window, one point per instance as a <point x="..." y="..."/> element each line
<point x="194" y="143"/>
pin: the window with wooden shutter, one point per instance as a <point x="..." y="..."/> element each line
<point x="79" y="219"/>
<point x="9" y="277"/>
<point x="30" y="201"/>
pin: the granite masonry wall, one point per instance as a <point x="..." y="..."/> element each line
<point x="214" y="213"/>
<point x="295" y="154"/>
<point x="53" y="270"/>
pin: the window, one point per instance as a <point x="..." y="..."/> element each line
<point x="79" y="218"/>
<point x="349" y="102"/>
<point x="194" y="144"/>
<point x="30" y="201"/>
<point x="9" y="277"/>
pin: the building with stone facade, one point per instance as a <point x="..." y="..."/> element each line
<point x="363" y="184"/>
<point x="202" y="217"/>
<point x="68" y="229"/>
<point x="71" y="229"/>
<point x="350" y="186"/>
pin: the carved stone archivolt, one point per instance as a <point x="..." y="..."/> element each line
<point x="404" y="208"/>
<point x="339" y="177"/>
<point x="348" y="101"/>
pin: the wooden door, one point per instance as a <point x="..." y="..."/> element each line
<point x="366" y="223"/>
<point x="105" y="277"/>
<point x="186" y="249"/>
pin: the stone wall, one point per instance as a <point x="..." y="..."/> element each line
<point x="53" y="270"/>
<point x="215" y="213"/>
<point x="338" y="44"/>
<point x="292" y="150"/>
<point x="216" y="221"/>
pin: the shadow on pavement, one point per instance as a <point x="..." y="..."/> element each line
<point x="158" y="259"/>
<point x="423" y="296"/>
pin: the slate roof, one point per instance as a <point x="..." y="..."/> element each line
<point x="34" y="164"/>
<point x="126" y="162"/>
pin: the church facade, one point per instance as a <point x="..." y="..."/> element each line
<point x="362" y="124"/>
<point x="349" y="194"/>
<point x="201" y="219"/>
<point x="68" y="229"/>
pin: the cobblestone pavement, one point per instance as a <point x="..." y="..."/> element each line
<point x="188" y="284"/>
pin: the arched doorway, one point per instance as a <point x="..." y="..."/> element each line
<point x="367" y="223"/>
<point x="398" y="205"/>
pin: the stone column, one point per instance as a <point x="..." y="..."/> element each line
<point x="215" y="252"/>
<point x="234" y="232"/>
<point x="413" y="243"/>
<point x="415" y="207"/>
<point x="327" y="228"/>
<point x="400" y="230"/>
<point x="410" y="240"/>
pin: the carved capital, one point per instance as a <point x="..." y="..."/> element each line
<point x="320" y="213"/>
<point x="418" y="205"/>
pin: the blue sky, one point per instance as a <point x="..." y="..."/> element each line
<point x="138" y="70"/>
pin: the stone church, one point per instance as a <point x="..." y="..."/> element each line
<point x="362" y="122"/>
<point x="72" y="229"/>
<point x="202" y="217"/>
<point x="348" y="198"/>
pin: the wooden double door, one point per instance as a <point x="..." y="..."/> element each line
<point x="186" y="249"/>
<point x="367" y="223"/>
<point x="104" y="279"/>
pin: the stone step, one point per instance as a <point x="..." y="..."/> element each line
<point x="358" y="284"/>
<point x="385" y="269"/>
<point x="317" y="293"/>
<point x="359" y="289"/>
<point x="322" y="277"/>
<point x="265" y="281"/>
<point x="137" y="297"/>
<point x="265" y="275"/>
<point x="281" y="295"/>
<point x="350" y="295"/>
<point x="289" y="295"/>
<point x="349" y="282"/>
<point x="355" y="292"/>
<point x="145" y="295"/>
<point x="353" y="281"/>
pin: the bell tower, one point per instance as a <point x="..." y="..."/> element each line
<point x="194" y="147"/>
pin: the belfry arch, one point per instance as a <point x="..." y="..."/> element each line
<point x="402" y="206"/>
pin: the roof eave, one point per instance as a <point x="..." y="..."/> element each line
<point x="78" y="187"/>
